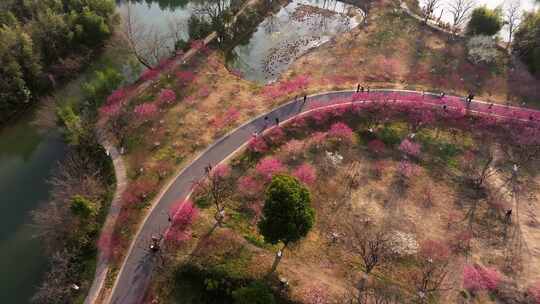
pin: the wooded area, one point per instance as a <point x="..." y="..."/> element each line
<point x="43" y="42"/>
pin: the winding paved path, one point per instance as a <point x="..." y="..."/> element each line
<point x="135" y="273"/>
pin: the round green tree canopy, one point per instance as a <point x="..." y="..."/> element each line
<point x="485" y="21"/>
<point x="287" y="213"/>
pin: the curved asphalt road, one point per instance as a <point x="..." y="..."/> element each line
<point x="135" y="274"/>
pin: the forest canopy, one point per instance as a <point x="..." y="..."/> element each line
<point x="45" y="41"/>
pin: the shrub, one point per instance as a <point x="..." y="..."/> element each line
<point x="267" y="167"/>
<point x="305" y="173"/>
<point x="254" y="293"/>
<point x="83" y="207"/>
<point x="485" y="21"/>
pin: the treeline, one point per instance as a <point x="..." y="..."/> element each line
<point x="45" y="41"/>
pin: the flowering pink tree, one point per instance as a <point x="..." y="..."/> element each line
<point x="276" y="135"/>
<point x="105" y="243"/>
<point x="183" y="213"/>
<point x="110" y="111"/>
<point x="166" y="96"/>
<point x="286" y="87"/>
<point x="257" y="144"/>
<point x="315" y="294"/>
<point x="294" y="148"/>
<point x="534" y="292"/>
<point x="138" y="191"/>
<point x="229" y="117"/>
<point x="318" y="139"/>
<point x="249" y="186"/>
<point x="145" y="110"/>
<point x="410" y="148"/>
<point x="185" y="77"/>
<point x="149" y="74"/>
<point x="306" y="174"/>
<point x="269" y="166"/>
<point x="433" y="260"/>
<point x="341" y="132"/>
<point x="376" y="146"/>
<point x="407" y="170"/>
<point x="116" y="96"/>
<point x="461" y="241"/>
<point x="477" y="278"/>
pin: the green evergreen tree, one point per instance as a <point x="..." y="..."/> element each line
<point x="485" y="21"/>
<point x="287" y="213"/>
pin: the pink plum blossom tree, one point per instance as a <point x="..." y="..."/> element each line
<point x="249" y="186"/>
<point x="167" y="96"/>
<point x="410" y="148"/>
<point x="268" y="166"/>
<point x="145" y="110"/>
<point x="183" y="213"/>
<point x="477" y="278"/>
<point x="306" y="174"/>
<point x="376" y="146"/>
<point x="341" y="132"/>
<point x="257" y="144"/>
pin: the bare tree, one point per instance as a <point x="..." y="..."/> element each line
<point x="429" y="7"/>
<point x="77" y="174"/>
<point x="176" y="27"/>
<point x="55" y="288"/>
<point x="512" y="18"/>
<point x="146" y="43"/>
<point x="428" y="278"/>
<point x="373" y="246"/>
<point x="213" y="9"/>
<point x="217" y="187"/>
<point x="460" y="11"/>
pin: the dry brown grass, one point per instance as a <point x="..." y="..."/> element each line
<point x="318" y="261"/>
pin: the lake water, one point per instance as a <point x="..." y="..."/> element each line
<point x="295" y="29"/>
<point x="26" y="161"/>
